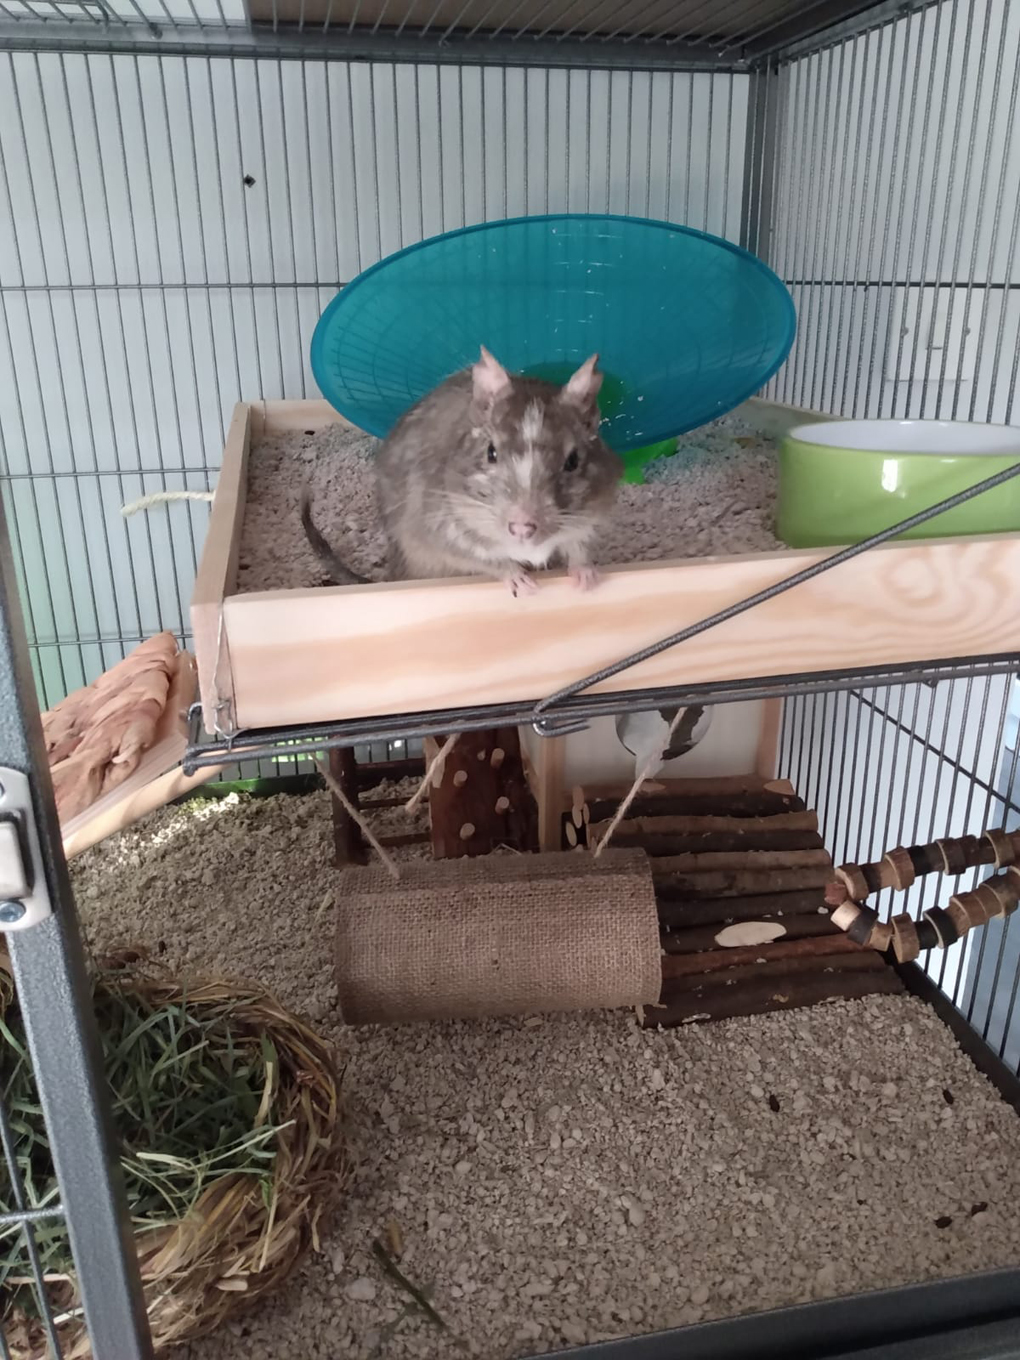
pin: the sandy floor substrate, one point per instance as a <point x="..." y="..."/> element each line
<point x="715" y="496"/>
<point x="567" y="1179"/>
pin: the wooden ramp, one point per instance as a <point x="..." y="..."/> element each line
<point x="740" y="871"/>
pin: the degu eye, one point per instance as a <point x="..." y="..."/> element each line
<point x="572" y="461"/>
<point x="491" y="454"/>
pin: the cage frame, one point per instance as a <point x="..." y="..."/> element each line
<point x="967" y="1315"/>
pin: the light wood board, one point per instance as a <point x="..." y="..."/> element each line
<point x="217" y="574"/>
<point x="354" y="651"/>
<point x="331" y="653"/>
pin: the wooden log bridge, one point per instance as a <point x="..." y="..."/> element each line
<point x="740" y="875"/>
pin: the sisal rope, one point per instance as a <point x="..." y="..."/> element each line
<point x="436" y="763"/>
<point x="646" y="769"/>
<point x="357" y="816"/>
<point x="163" y="498"/>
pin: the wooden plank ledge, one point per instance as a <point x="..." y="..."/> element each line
<point x="315" y="655"/>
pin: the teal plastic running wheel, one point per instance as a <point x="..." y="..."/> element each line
<point x="687" y="325"/>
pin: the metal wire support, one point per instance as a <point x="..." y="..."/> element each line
<point x="547" y="724"/>
<point x="295" y="742"/>
<point x="628" y="34"/>
<point x="53" y="994"/>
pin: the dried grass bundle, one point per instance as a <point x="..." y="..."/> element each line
<point x="227" y="1108"/>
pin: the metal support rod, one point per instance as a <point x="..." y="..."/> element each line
<point x="298" y="742"/>
<point x="294" y="44"/>
<point x="757" y="204"/>
<point x="832" y="27"/>
<point x="544" y="717"/>
<point x="53" y="994"/>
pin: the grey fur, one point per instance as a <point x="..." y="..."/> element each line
<point x="336" y="568"/>
<point x="446" y="507"/>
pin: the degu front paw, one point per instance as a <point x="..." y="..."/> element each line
<point x="521" y="583"/>
<point x="585" y="578"/>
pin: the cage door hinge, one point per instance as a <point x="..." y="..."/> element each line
<point x="24" y="896"/>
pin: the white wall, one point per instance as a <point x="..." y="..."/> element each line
<point x="145" y="287"/>
<point x="730" y="746"/>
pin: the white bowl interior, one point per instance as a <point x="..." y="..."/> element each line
<point x="957" y="438"/>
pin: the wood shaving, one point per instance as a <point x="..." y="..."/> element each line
<point x="569" y="1179"/>
<point x="716" y="495"/>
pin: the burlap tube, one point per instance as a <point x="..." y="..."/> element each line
<point x="503" y="935"/>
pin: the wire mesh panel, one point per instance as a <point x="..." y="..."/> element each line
<point x="904" y="764"/>
<point x="171" y="228"/>
<point x="24" y="1275"/>
<point x="897" y="216"/>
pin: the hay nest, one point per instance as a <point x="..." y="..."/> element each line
<point x="227" y="1108"/>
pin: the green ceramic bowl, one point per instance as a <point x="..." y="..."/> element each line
<point x="843" y="480"/>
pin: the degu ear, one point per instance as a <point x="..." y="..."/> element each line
<point x="489" y="379"/>
<point x="583" y="387"/>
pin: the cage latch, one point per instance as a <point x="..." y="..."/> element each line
<point x="24" y="898"/>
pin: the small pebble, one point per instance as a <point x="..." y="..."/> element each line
<point x="362" y="1290"/>
<point x="635" y="1213"/>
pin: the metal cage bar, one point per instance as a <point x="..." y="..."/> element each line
<point x="54" y="998"/>
<point x="905" y="273"/>
<point x="630" y="34"/>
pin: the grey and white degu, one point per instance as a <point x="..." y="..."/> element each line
<point x="491" y="474"/>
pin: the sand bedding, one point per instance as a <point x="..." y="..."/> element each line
<point x="715" y="496"/>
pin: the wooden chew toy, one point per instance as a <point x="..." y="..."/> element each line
<point x="739" y="872"/>
<point x="938" y="927"/>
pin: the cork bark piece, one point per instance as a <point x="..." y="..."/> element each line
<point x="905" y="942"/>
<point x="900" y="868"/>
<point x="852" y="878"/>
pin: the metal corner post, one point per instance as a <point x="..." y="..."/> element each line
<point x="53" y="992"/>
<point x="759" y="159"/>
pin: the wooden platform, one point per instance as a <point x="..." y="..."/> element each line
<point x="733" y="858"/>
<point x="278" y="657"/>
